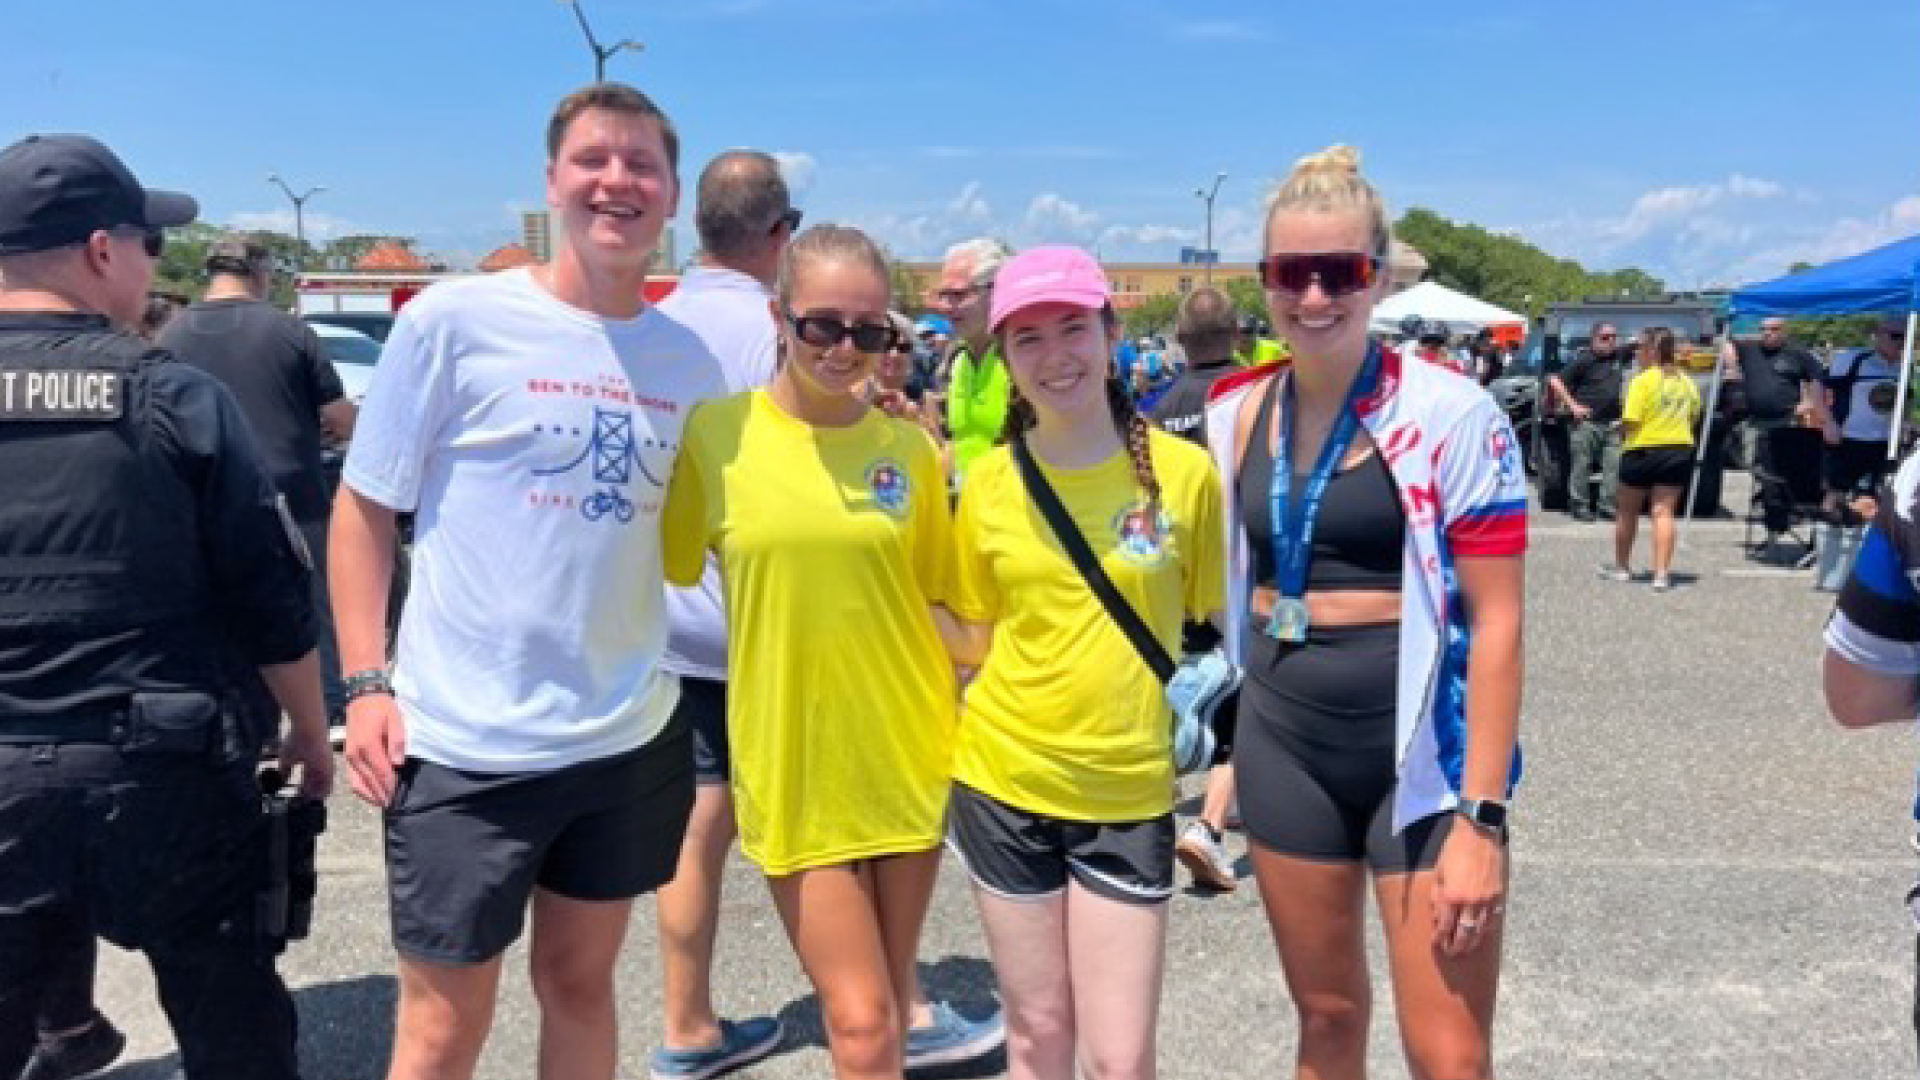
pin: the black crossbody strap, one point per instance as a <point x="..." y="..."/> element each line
<point x="1123" y="614"/>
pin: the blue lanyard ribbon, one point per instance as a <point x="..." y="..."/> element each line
<point x="1293" y="526"/>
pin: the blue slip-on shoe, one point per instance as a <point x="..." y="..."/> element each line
<point x="952" y="1039"/>
<point x="740" y="1045"/>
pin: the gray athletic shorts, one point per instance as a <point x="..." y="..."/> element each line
<point x="1021" y="855"/>
<point x="465" y="850"/>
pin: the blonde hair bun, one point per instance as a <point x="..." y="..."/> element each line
<point x="1336" y="160"/>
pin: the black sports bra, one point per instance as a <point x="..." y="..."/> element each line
<point x="1360" y="536"/>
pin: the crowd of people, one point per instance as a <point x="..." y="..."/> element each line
<point x="770" y="562"/>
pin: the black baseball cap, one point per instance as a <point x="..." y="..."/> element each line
<point x="57" y="190"/>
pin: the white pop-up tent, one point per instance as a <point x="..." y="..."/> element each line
<point x="1431" y="300"/>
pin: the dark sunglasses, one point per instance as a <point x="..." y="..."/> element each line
<point x="1338" y="272"/>
<point x="1605" y="337"/>
<point x="826" y="331"/>
<point x="153" y="240"/>
<point x="791" y="219"/>
<point x="1895" y="336"/>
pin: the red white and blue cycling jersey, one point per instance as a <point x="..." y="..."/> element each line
<point x="1457" y="467"/>
<point x="1876" y="624"/>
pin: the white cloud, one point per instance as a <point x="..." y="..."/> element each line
<point x="970" y="205"/>
<point x="1221" y="30"/>
<point x="320" y="227"/>
<point x="799" y="169"/>
<point x="1051" y="217"/>
<point x="1721" y="233"/>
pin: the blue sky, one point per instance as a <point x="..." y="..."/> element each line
<point x="1711" y="142"/>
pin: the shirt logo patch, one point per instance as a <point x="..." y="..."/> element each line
<point x="892" y="491"/>
<point x="1140" y="541"/>
<point x="62" y="395"/>
<point x="1880" y="398"/>
<point x="1505" y="455"/>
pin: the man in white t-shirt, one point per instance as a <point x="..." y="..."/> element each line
<point x="524" y="750"/>
<point x="1861" y="388"/>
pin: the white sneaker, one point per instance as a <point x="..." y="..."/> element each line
<point x="1661" y="583"/>
<point x="1205" y="858"/>
<point x="1612" y="572"/>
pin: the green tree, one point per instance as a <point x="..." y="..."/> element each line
<point x="909" y="289"/>
<point x="1508" y="271"/>
<point x="1247" y="296"/>
<point x="1153" y="315"/>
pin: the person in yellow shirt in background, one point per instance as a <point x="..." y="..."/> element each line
<point x="1062" y="801"/>
<point x="1662" y="408"/>
<point x="1253" y="348"/>
<point x="831" y="523"/>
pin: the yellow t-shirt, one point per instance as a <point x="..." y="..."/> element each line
<point x="833" y="544"/>
<point x="1064" y="718"/>
<point x="1661" y="409"/>
<point x="1263" y="351"/>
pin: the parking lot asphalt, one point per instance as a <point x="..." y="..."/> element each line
<point x="1707" y="878"/>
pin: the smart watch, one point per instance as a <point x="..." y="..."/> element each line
<point x="1485" y="814"/>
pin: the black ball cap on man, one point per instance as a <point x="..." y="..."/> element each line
<point x="57" y="190"/>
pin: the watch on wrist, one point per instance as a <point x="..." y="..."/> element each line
<point x="1484" y="814"/>
<point x="364" y="683"/>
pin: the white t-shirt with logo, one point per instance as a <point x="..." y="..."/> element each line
<point x="1875" y="384"/>
<point x="728" y="311"/>
<point x="535" y="441"/>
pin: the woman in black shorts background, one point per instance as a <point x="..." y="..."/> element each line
<point x="1662" y="407"/>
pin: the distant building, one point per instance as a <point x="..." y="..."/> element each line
<point x="391" y="255"/>
<point x="510" y="257"/>
<point x="536" y="233"/>
<point x="538" y="237"/>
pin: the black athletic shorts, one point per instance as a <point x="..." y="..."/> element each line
<point x="1855" y="461"/>
<point x="1314" y="754"/>
<point x="466" y="849"/>
<point x="1657" y="466"/>
<point x="1020" y="855"/>
<point x="703" y="706"/>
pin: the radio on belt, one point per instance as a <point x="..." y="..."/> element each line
<point x="61" y="395"/>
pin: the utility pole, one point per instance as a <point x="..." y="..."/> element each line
<point x="601" y="53"/>
<point x="299" y="217"/>
<point x="1206" y="195"/>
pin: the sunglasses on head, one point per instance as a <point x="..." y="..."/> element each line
<point x="826" y="331"/>
<point x="791" y="219"/>
<point x="1337" y="272"/>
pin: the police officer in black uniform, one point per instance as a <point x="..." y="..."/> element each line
<point x="146" y="573"/>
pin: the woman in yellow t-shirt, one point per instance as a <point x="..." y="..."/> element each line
<point x="1062" y="801"/>
<point x="831" y="523"/>
<point x="1657" y="457"/>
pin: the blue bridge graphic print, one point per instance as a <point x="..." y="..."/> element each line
<point x="615" y="456"/>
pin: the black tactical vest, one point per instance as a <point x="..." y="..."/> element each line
<point x="97" y="528"/>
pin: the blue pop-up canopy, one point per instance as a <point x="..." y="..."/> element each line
<point x="1886" y="279"/>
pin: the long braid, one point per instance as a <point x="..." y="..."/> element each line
<point x="1133" y="429"/>
<point x="1020" y="415"/>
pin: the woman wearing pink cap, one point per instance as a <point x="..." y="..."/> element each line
<point x="1376" y="522"/>
<point x="1062" y="800"/>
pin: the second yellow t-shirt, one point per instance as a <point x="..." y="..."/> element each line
<point x="1064" y="718"/>
<point x="833" y="544"/>
<point x="1663" y="407"/>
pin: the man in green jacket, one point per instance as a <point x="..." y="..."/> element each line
<point x="977" y="390"/>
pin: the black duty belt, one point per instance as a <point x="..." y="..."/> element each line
<point x="94" y="726"/>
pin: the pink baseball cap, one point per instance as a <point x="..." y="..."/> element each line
<point x="1044" y="275"/>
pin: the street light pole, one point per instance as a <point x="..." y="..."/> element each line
<point x="1207" y="194"/>
<point x="601" y="53"/>
<point x="299" y="217"/>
